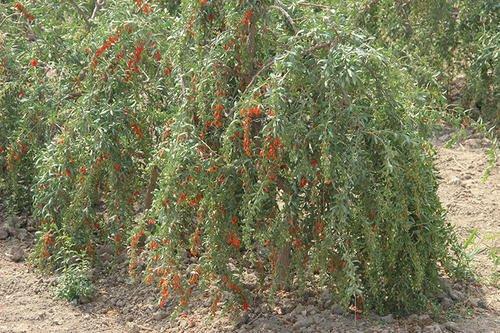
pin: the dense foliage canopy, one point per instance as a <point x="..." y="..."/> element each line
<point x="208" y="139"/>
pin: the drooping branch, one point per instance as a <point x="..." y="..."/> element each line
<point x="251" y="38"/>
<point x="260" y="71"/>
<point x="271" y="61"/>
<point x="279" y="6"/>
<point x="251" y="49"/>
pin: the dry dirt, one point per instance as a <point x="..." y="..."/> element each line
<point x="28" y="304"/>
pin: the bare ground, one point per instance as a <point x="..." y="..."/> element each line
<point x="28" y="304"/>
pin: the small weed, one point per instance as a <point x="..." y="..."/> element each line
<point x="75" y="282"/>
<point x="494" y="255"/>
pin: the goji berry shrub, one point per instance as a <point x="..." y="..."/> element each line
<point x="442" y="41"/>
<point x="481" y="93"/>
<point x="91" y="176"/>
<point x="36" y="73"/>
<point x="295" y="154"/>
<point x="276" y="138"/>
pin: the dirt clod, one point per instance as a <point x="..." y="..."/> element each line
<point x="16" y="254"/>
<point x="4" y="234"/>
<point x="388" y="318"/>
<point x="435" y="328"/>
<point x="424" y="320"/>
<point x="451" y="326"/>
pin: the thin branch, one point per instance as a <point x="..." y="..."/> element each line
<point x="316" y="5"/>
<point x="183" y="85"/>
<point x="5" y="19"/>
<point x="319" y="47"/>
<point x="81" y="13"/>
<point x="208" y="146"/>
<point x="262" y="69"/>
<point x="98" y="5"/>
<point x="283" y="11"/>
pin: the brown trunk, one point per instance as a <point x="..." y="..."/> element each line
<point x="148" y="200"/>
<point x="284" y="253"/>
<point x="283" y="266"/>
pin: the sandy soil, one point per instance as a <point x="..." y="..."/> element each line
<point x="28" y="304"/>
<point x="473" y="206"/>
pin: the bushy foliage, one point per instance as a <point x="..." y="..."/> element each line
<point x="75" y="279"/>
<point x="30" y="96"/>
<point x="311" y="162"/>
<point x="84" y="113"/>
<point x="96" y="165"/>
<point x="277" y="138"/>
<point x="441" y="41"/>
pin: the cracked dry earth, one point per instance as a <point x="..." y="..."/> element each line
<point x="28" y="304"/>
